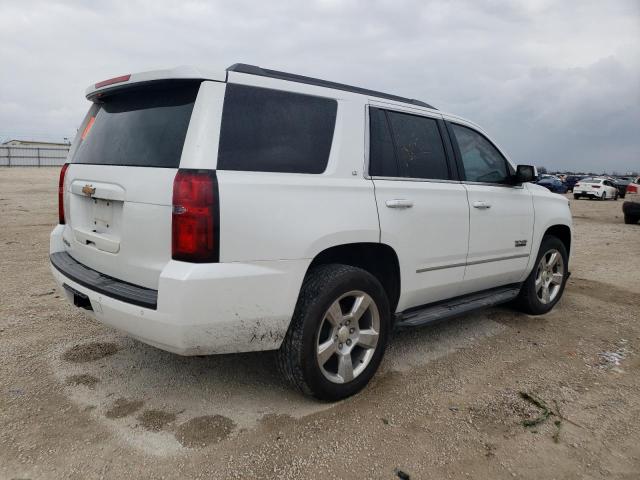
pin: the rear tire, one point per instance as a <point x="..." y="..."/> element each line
<point x="313" y="355"/>
<point x="604" y="196"/>
<point x="630" y="220"/>
<point x="576" y="197"/>
<point x="547" y="273"/>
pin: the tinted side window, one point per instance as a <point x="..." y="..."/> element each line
<point x="481" y="160"/>
<point x="419" y="148"/>
<point x="382" y="158"/>
<point x="267" y="130"/>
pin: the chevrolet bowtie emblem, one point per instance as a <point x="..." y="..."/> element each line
<point x="88" y="190"/>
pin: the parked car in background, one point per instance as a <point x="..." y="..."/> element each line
<point x="631" y="212"/>
<point x="634" y="185"/>
<point x="621" y="184"/>
<point x="553" y="184"/>
<point x="595" y="187"/>
<point x="571" y="180"/>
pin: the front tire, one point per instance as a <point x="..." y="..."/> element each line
<point x="338" y="333"/>
<point x="543" y="288"/>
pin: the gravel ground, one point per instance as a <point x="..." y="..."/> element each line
<point x="79" y="400"/>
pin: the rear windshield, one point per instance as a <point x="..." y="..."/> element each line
<point x="591" y="180"/>
<point x="143" y="127"/>
<point x="267" y="130"/>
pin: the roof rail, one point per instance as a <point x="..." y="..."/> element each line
<point x="264" y="72"/>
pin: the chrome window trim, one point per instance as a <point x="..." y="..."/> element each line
<point x="407" y="179"/>
<point x="405" y="109"/>
<point x="489" y="184"/>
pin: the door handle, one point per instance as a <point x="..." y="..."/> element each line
<point x="399" y="203"/>
<point x="481" y="205"/>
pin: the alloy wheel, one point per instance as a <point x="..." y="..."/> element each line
<point x="549" y="276"/>
<point x="347" y="337"/>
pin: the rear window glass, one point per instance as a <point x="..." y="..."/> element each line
<point x="266" y="130"/>
<point x="142" y="127"/>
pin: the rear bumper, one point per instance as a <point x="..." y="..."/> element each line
<point x="100" y="283"/>
<point x="200" y="308"/>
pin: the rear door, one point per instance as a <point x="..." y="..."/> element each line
<point x="423" y="209"/>
<point x="500" y="214"/>
<point x="119" y="183"/>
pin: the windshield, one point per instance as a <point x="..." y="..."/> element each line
<point x="143" y="127"/>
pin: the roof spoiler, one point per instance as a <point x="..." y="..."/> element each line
<point x="179" y="73"/>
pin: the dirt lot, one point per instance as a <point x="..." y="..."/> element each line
<point x="78" y="400"/>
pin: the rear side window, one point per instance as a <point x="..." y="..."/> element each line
<point x="404" y="145"/>
<point x="382" y="157"/>
<point x="481" y="160"/>
<point x="142" y="127"/>
<point x="266" y="130"/>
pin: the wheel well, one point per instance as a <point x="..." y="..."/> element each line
<point x="378" y="259"/>
<point x="563" y="233"/>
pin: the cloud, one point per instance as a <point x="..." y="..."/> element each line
<point x="555" y="83"/>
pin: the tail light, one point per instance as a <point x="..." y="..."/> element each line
<point x="595" y="186"/>
<point x="195" y="218"/>
<point x="63" y="172"/>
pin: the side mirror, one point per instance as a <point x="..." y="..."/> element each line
<point x="526" y="173"/>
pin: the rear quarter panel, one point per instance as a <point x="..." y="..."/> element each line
<point x="270" y="216"/>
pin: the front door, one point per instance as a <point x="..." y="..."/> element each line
<point x="500" y="213"/>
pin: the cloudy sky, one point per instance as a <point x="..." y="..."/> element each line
<point x="556" y="83"/>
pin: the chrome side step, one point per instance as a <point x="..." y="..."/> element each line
<point x="456" y="306"/>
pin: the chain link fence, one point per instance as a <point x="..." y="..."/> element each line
<point x="17" y="156"/>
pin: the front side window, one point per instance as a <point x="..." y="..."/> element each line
<point x="266" y="130"/>
<point x="405" y="145"/>
<point x="481" y="160"/>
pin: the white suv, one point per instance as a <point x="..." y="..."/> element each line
<point x="251" y="209"/>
